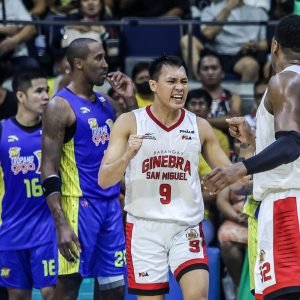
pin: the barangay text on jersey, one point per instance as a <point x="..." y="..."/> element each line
<point x="179" y="167"/>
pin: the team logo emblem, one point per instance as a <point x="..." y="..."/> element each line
<point x="262" y="254"/>
<point x="191" y="234"/>
<point x="99" y="134"/>
<point x="14" y="152"/>
<point x="5" y="272"/>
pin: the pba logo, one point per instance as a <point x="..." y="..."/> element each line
<point x="5" y="272"/>
<point x="191" y="234"/>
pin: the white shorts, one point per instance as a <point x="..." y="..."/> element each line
<point x="153" y="247"/>
<point x="277" y="269"/>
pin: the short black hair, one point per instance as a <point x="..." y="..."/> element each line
<point x="78" y="49"/>
<point x="199" y="93"/>
<point x="23" y="80"/>
<point x="207" y="52"/>
<point x="139" y="67"/>
<point x="157" y="64"/>
<point x="287" y="33"/>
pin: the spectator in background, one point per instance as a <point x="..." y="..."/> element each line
<point x="119" y="100"/>
<point x="232" y="233"/>
<point x="260" y="87"/>
<point x="151" y="8"/>
<point x="37" y="8"/>
<point x="13" y="37"/>
<point x="62" y="70"/>
<point x="140" y="77"/>
<point x="224" y="103"/>
<point x="199" y="102"/>
<point x="242" y="49"/>
<point x="8" y="100"/>
<point x="61" y="7"/>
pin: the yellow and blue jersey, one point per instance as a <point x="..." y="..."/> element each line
<point x="25" y="219"/>
<point x="83" y="153"/>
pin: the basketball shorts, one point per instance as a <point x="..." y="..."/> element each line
<point x="99" y="226"/>
<point x="154" y="246"/>
<point x="277" y="268"/>
<point x="24" y="269"/>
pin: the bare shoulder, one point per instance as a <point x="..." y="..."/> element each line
<point x="58" y="112"/>
<point x="284" y="82"/>
<point x="126" y="122"/>
<point x="205" y="129"/>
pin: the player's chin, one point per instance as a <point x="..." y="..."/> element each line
<point x="99" y="82"/>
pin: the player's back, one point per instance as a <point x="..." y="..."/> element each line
<point x="285" y="176"/>
<point x="83" y="152"/>
<point x="25" y="219"/>
<point x="162" y="181"/>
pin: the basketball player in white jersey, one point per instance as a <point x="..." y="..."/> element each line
<point x="159" y="148"/>
<point x="276" y="167"/>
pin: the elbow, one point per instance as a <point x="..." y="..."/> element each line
<point x="103" y="180"/>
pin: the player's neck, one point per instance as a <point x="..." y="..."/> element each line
<point x="166" y="116"/>
<point x="27" y="119"/>
<point x="82" y="90"/>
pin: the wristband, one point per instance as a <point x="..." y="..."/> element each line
<point x="51" y="185"/>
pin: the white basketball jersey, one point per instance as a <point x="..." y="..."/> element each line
<point x="283" y="177"/>
<point x="162" y="181"/>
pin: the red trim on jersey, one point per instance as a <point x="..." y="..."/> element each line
<point x="130" y="270"/>
<point x="150" y="114"/>
<point x="148" y="286"/>
<point x="203" y="242"/>
<point x="286" y="245"/>
<point x="259" y="297"/>
<point x="190" y="263"/>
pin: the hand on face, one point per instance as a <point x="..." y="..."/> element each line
<point x="121" y="84"/>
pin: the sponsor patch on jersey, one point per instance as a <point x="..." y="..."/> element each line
<point x="192" y="234"/>
<point x="186" y="137"/>
<point x="99" y="134"/>
<point x="84" y="110"/>
<point x="149" y="136"/>
<point x="12" y="138"/>
<point x="262" y="254"/>
<point x="5" y="272"/>
<point x="23" y="164"/>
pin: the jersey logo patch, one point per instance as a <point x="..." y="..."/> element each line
<point x="99" y="134"/>
<point x="85" y="110"/>
<point x="5" y="272"/>
<point x="149" y="136"/>
<point x="12" y="138"/>
<point x="23" y="164"/>
<point x="191" y="234"/>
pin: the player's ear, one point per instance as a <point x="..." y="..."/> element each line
<point x="152" y="84"/>
<point x="274" y="46"/>
<point x="21" y="96"/>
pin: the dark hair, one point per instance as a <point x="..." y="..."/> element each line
<point x="199" y="93"/>
<point x="78" y="49"/>
<point x="206" y="53"/>
<point x="139" y="67"/>
<point x="23" y="80"/>
<point x="287" y="33"/>
<point x="157" y="64"/>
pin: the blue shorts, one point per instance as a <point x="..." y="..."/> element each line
<point x="99" y="226"/>
<point x="24" y="269"/>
